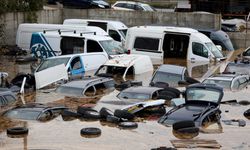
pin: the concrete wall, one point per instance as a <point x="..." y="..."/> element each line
<point x="240" y="39"/>
<point x="134" y="18"/>
<point x="10" y="21"/>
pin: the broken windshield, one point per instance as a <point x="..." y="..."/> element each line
<point x="52" y="62"/>
<point x="112" y="47"/>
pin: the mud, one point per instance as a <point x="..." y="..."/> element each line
<point x="58" y="134"/>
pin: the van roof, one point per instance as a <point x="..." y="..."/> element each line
<point x="126" y="60"/>
<point x="116" y="24"/>
<point x="50" y="27"/>
<point x="161" y="29"/>
<point x="87" y="35"/>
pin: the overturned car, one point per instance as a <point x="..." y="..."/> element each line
<point x="202" y="103"/>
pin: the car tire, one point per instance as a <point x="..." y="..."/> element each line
<point x="90" y="131"/>
<point x="17" y="131"/>
<point x="112" y="119"/>
<point x="123" y="114"/>
<point x="183" y="124"/>
<point x="68" y="113"/>
<point x="156" y="110"/>
<point x="173" y="90"/>
<point x="104" y="112"/>
<point x="128" y="125"/>
<point x="91" y="115"/>
<point x="247" y="114"/>
<point x="191" y="80"/>
<point x="168" y="95"/>
<point x="81" y="110"/>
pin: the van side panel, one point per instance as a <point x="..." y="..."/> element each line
<point x="92" y="61"/>
<point x="40" y="47"/>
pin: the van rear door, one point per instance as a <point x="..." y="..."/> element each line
<point x="149" y="46"/>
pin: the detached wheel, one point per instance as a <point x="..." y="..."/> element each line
<point x="82" y="110"/>
<point x="17" y="131"/>
<point x="128" y="125"/>
<point x="104" y="112"/>
<point x="90" y="132"/>
<point x="91" y="115"/>
<point x="123" y="114"/>
<point x="247" y="114"/>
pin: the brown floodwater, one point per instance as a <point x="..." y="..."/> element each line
<point x="58" y="134"/>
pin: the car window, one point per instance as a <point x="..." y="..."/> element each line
<point x="137" y="7"/>
<point x="170" y="78"/>
<point x="236" y="85"/>
<point x="112" y="47"/>
<point x="200" y="94"/>
<point x="76" y="63"/>
<point x="121" y="5"/>
<point x="146" y="44"/>
<point x="130" y="6"/>
<point x="90" y="91"/>
<point x="53" y="62"/>
<point x="200" y="50"/>
<point x="22" y="113"/>
<point x="131" y="95"/>
<point x="115" y="35"/>
<point x="9" y="98"/>
<point x="72" y="45"/>
<point x="222" y="83"/>
<point x="93" y="46"/>
<point x="2" y="101"/>
<point x="243" y="82"/>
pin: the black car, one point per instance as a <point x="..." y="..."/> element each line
<point x="86" y="3"/>
<point x="202" y="103"/>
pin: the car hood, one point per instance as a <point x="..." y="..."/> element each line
<point x="184" y="112"/>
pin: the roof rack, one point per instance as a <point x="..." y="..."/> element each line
<point x="74" y="31"/>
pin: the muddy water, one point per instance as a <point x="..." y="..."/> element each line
<point x="60" y="134"/>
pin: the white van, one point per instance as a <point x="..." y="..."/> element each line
<point x="25" y="31"/>
<point x="75" y="65"/>
<point x="49" y="44"/>
<point x="116" y="29"/>
<point x="160" y="42"/>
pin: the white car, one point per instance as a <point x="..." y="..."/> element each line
<point x="130" y="5"/>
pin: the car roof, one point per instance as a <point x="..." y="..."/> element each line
<point x="162" y="29"/>
<point x="125" y="60"/>
<point x="201" y="85"/>
<point x="225" y="77"/>
<point x="86" y="82"/>
<point x="142" y="89"/>
<point x="174" y="69"/>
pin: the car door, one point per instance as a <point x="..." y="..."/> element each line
<point x="149" y="46"/>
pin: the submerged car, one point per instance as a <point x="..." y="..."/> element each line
<point x="132" y="6"/>
<point x="34" y="111"/>
<point x="87" y="87"/>
<point x="172" y="75"/>
<point x="140" y="93"/>
<point x="238" y="67"/>
<point x="202" y="103"/>
<point x="229" y="81"/>
<point x="7" y="99"/>
<point x="125" y="65"/>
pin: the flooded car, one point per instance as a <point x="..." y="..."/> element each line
<point x="140" y="93"/>
<point x="229" y="81"/>
<point x="87" y="87"/>
<point x="34" y="111"/>
<point x="202" y="103"/>
<point x="239" y="67"/>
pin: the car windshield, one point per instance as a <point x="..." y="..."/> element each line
<point x="170" y="78"/>
<point x="131" y="95"/>
<point x="52" y="62"/>
<point x="112" y="47"/>
<point x="216" y="52"/>
<point x="22" y="114"/>
<point x="222" y="83"/>
<point x="71" y="91"/>
<point x="201" y="94"/>
<point x="123" y="32"/>
<point x="148" y="8"/>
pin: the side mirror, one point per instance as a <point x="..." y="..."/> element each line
<point x="219" y="47"/>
